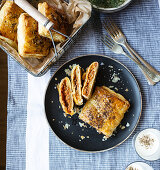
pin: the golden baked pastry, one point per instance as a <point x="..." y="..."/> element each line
<point x="104" y="110"/>
<point x="65" y="96"/>
<point x="9" y="15"/>
<point x="89" y="81"/>
<point x="30" y="43"/>
<point x="56" y="17"/>
<point x="76" y="85"/>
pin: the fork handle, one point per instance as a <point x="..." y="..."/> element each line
<point x="145" y="72"/>
<point x="141" y="59"/>
<point x="153" y="74"/>
<point x="143" y="69"/>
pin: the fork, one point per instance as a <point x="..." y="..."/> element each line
<point x="114" y="47"/>
<point x="120" y="39"/>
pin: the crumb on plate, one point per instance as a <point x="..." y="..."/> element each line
<point x="127" y="125"/>
<point x="66" y="126"/>
<point x="116" y="88"/>
<point x="115" y="78"/>
<point x="111" y="87"/>
<point x="126" y="90"/>
<point x="110" y="66"/>
<point x="123" y="127"/>
<point x="68" y="72"/>
<point x="82" y="125"/>
<point x="102" y="64"/>
<point x="82" y="137"/>
<point x="104" y="138"/>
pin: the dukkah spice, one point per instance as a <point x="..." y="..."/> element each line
<point x="146" y="141"/>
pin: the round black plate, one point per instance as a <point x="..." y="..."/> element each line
<point x="127" y="86"/>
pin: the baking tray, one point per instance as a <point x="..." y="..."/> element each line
<point x="42" y="68"/>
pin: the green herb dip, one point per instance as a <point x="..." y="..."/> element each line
<point x="107" y="3"/>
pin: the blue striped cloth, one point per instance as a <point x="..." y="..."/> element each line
<point x="140" y="22"/>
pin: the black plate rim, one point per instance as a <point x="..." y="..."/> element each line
<point x="100" y="55"/>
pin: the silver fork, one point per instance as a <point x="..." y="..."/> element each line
<point x="120" y="39"/>
<point x="114" y="47"/>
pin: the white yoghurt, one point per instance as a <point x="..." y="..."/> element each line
<point x="139" y="166"/>
<point x="147" y="144"/>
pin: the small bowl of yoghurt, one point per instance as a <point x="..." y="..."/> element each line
<point x="139" y="166"/>
<point x="147" y="144"/>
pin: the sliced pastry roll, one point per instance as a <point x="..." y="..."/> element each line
<point x="65" y="96"/>
<point x="9" y="15"/>
<point x="89" y="81"/>
<point x="57" y="18"/>
<point x="30" y="43"/>
<point x="104" y="110"/>
<point x="76" y="85"/>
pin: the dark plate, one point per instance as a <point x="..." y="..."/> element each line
<point x="127" y="86"/>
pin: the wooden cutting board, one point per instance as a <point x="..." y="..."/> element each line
<point x="3" y="107"/>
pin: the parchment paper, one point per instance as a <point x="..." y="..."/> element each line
<point x="77" y="13"/>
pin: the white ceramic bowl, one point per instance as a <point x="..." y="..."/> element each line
<point x="111" y="10"/>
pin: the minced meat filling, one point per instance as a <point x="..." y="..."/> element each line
<point x="89" y="78"/>
<point x="66" y="96"/>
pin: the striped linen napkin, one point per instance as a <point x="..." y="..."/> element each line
<point x="32" y="145"/>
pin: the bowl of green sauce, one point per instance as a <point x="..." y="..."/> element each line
<point x="109" y="6"/>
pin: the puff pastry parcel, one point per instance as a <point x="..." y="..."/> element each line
<point x="57" y="18"/>
<point x="65" y="96"/>
<point x="76" y="85"/>
<point x="9" y="15"/>
<point x="89" y="81"/>
<point x="104" y="110"/>
<point x="30" y="43"/>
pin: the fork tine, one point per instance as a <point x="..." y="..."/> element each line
<point x="106" y="43"/>
<point x="117" y="30"/>
<point x="108" y="29"/>
<point x="109" y="40"/>
<point x="112" y="26"/>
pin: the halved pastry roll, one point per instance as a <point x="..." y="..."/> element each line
<point x="9" y="15"/>
<point x="65" y="96"/>
<point x="56" y="17"/>
<point x="30" y="43"/>
<point x="89" y="81"/>
<point x="76" y="85"/>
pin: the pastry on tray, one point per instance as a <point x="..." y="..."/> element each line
<point x="104" y="110"/>
<point x="57" y="18"/>
<point x="30" y="43"/>
<point x="89" y="81"/>
<point x="65" y="96"/>
<point x="76" y="85"/>
<point x="9" y="15"/>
